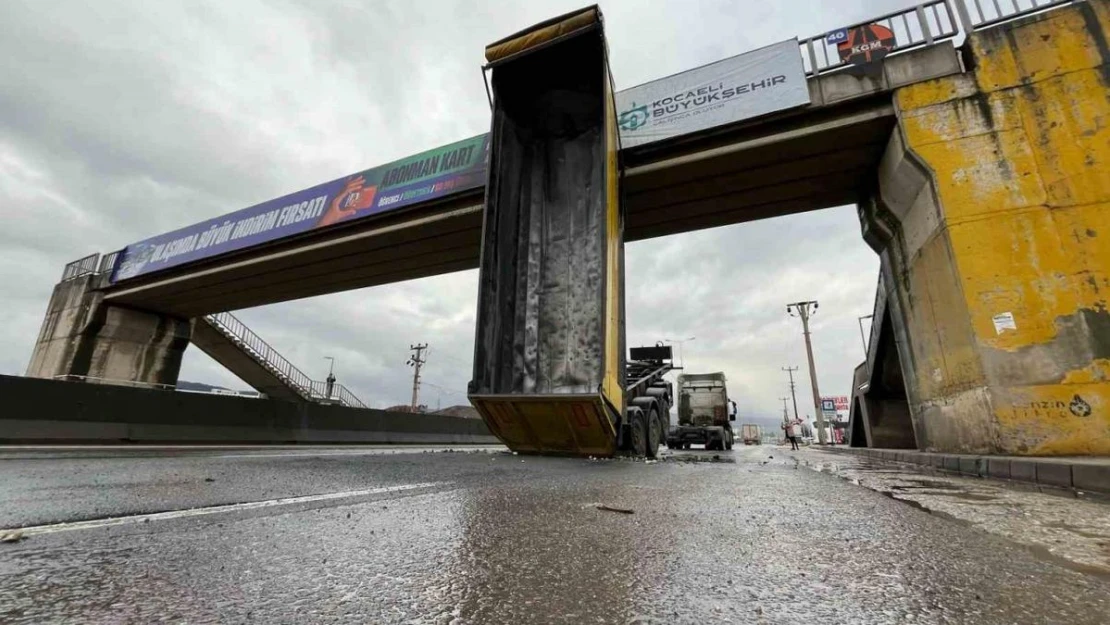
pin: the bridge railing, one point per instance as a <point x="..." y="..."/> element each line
<point x="917" y="26"/>
<point x="924" y="25"/>
<point x="93" y="264"/>
<point x="108" y="262"/>
<point x="339" y="394"/>
<point x="81" y="267"/>
<point x="977" y="14"/>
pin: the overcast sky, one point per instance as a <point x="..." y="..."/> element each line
<point x="121" y="120"/>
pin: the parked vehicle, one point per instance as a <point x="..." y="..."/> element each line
<point x="751" y="434"/>
<point x="703" y="415"/>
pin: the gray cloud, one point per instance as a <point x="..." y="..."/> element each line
<point x="120" y="120"/>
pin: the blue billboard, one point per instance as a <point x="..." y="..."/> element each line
<point x="426" y="176"/>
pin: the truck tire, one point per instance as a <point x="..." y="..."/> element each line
<point x="728" y="440"/>
<point x="639" y="435"/>
<point x="655" y="433"/>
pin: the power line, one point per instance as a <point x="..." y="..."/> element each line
<point x="444" y="389"/>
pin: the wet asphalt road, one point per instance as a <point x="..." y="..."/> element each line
<point x="366" y="536"/>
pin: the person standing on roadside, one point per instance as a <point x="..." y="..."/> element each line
<point x="791" y="428"/>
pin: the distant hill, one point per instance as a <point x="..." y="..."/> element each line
<point x="462" y="411"/>
<point x="183" y="385"/>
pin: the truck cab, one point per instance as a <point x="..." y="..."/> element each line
<point x="704" y="415"/>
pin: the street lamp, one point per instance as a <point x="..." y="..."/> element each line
<point x="681" y="362"/>
<point x="331" y="377"/>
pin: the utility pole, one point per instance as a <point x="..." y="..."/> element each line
<point x="785" y="414"/>
<point x="790" y="371"/>
<point x="804" y="310"/>
<point x="416" y="361"/>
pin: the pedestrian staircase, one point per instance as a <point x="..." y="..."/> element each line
<point x="231" y="343"/>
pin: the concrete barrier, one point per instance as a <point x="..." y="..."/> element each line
<point x="1084" y="473"/>
<point x="51" y="411"/>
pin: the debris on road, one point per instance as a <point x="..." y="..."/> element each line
<point x="612" y="509"/>
<point x="12" y="536"/>
<point x="692" y="458"/>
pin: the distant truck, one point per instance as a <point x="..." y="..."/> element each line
<point x="751" y="434"/>
<point x="703" y="414"/>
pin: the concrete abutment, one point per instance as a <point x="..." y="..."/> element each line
<point x="990" y="218"/>
<point x="83" y="338"/>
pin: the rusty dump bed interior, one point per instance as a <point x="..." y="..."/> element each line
<point x="548" y="355"/>
<point x="574" y="425"/>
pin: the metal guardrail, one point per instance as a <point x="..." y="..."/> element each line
<point x="81" y="267"/>
<point x="93" y="264"/>
<point x="979" y="14"/>
<point x="924" y="25"/>
<point x="108" y="262"/>
<point x="268" y="357"/>
<point x="339" y="393"/>
<point x="914" y="27"/>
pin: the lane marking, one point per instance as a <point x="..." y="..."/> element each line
<point x="207" y="510"/>
<point x="41" y="453"/>
<point x="261" y="447"/>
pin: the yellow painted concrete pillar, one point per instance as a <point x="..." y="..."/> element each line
<point x="997" y="190"/>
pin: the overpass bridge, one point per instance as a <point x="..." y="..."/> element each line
<point x="817" y="156"/>
<point x="968" y="164"/>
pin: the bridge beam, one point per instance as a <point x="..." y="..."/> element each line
<point x="84" y="338"/>
<point x="991" y="217"/>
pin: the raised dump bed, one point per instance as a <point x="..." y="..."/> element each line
<point x="549" y="366"/>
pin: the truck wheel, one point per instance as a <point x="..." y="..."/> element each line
<point x="655" y="433"/>
<point x="639" y="435"/>
<point x="728" y="440"/>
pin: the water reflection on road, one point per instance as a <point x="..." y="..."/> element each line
<point x="749" y="537"/>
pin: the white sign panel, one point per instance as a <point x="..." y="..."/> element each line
<point x="1003" y="322"/>
<point x="742" y="87"/>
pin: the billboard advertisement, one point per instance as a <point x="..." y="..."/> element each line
<point x="742" y="87"/>
<point x="834" y="406"/>
<point x="429" y="175"/>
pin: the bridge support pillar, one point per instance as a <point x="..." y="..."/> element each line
<point x="992" y="217"/>
<point x="85" y="339"/>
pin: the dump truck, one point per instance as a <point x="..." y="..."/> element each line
<point x="703" y="414"/>
<point x="751" y="434"/>
<point x="551" y="372"/>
